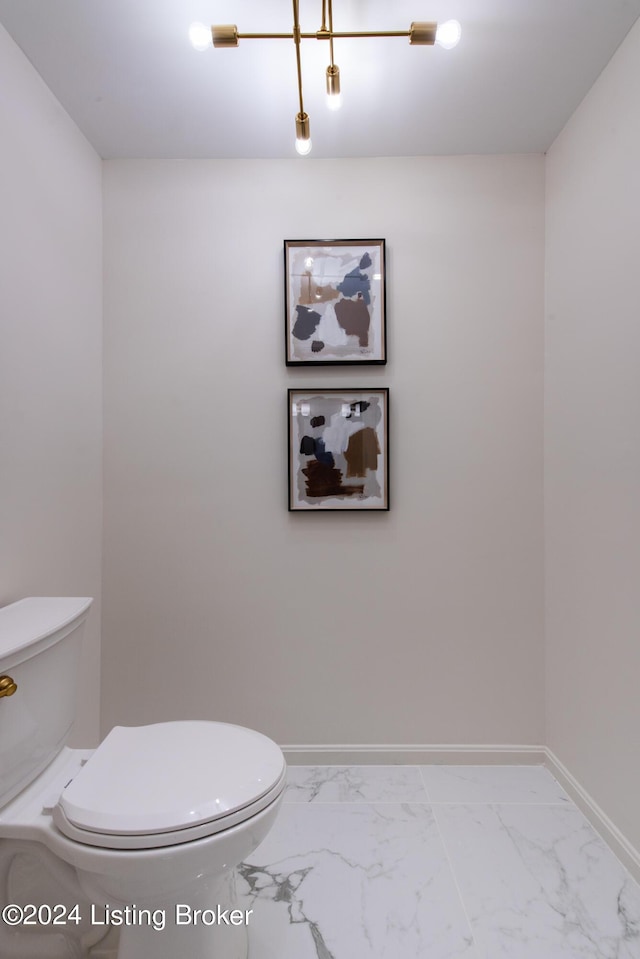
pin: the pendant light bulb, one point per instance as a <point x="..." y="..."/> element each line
<point x="200" y="36"/>
<point x="448" y="34"/>
<point x="303" y="134"/>
<point x="334" y="98"/>
<point x="303" y="147"/>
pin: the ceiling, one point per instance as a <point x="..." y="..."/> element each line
<point x="127" y="74"/>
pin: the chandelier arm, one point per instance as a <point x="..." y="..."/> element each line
<point x="331" y="32"/>
<point x="324" y="35"/>
<point x="296" y="37"/>
<point x="272" y="36"/>
<point x="368" y="33"/>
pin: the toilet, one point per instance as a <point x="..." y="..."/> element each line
<point x="143" y="833"/>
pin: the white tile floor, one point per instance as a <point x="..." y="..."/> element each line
<point x="436" y="862"/>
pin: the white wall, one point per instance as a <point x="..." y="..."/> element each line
<point x="50" y="357"/>
<point x="593" y="441"/>
<point x="420" y="625"/>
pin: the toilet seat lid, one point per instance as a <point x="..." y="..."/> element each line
<point x="153" y="779"/>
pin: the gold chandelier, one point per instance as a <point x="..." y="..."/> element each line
<point x="227" y="35"/>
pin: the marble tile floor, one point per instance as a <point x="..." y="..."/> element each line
<point x="436" y="862"/>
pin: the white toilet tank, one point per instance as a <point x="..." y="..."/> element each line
<point x="39" y="653"/>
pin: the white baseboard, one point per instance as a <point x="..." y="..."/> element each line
<point x="403" y="754"/>
<point x="412" y="754"/>
<point x="620" y="845"/>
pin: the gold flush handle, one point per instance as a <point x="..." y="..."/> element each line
<point x="7" y="686"/>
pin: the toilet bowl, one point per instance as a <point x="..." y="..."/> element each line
<point x="146" y="830"/>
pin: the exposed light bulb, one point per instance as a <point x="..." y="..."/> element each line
<point x="448" y="34"/>
<point x="303" y="146"/>
<point x="200" y="36"/>
<point x="303" y="134"/>
<point x="334" y="100"/>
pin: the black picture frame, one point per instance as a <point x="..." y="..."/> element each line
<point x="338" y="449"/>
<point x="335" y="302"/>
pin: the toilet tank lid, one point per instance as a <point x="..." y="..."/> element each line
<point x="35" y="619"/>
<point x="152" y="779"/>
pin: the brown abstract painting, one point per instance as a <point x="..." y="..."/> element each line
<point x="338" y="449"/>
<point x="335" y="302"/>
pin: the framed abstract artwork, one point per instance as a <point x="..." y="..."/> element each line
<point x="335" y="302"/>
<point x="338" y="449"/>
